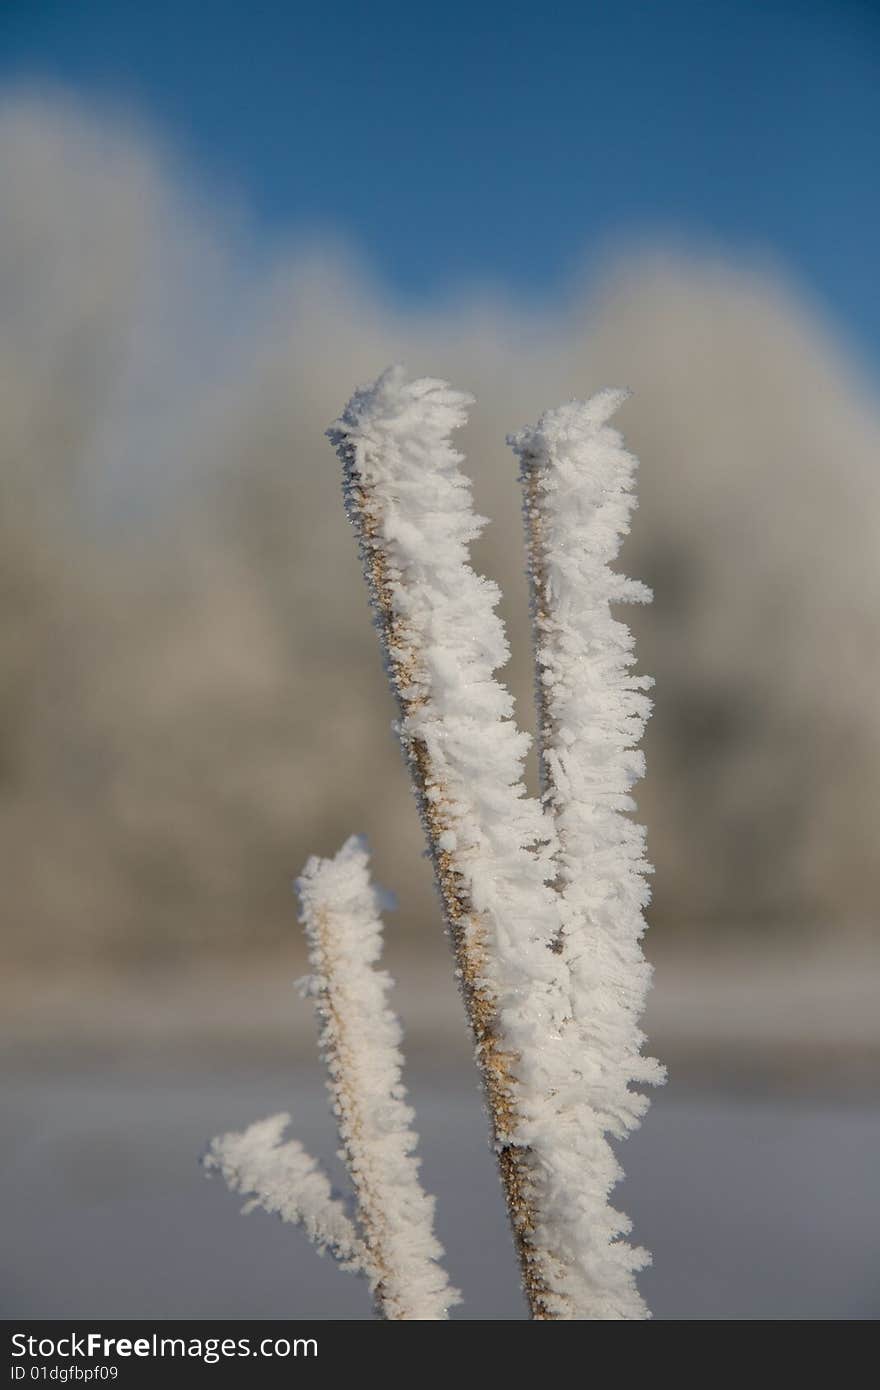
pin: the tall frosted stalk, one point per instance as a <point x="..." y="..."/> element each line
<point x="411" y="509"/>
<point x="578" y="496"/>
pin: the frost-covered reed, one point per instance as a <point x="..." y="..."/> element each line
<point x="360" y="1041"/>
<point x="410" y="505"/>
<point x="389" y="1234"/>
<point x="530" y="997"/>
<point x="578" y="496"/>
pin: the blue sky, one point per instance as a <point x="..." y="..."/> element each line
<point x="507" y="142"/>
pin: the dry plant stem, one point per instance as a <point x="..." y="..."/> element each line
<point x="536" y="573"/>
<point x="370" y="1211"/>
<point x="537" y="577"/>
<point x="495" y="1064"/>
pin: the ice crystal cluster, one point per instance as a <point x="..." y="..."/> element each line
<point x="543" y="898"/>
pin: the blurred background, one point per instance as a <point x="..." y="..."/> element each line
<point x="215" y="222"/>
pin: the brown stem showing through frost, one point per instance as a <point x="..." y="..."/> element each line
<point x="534" y="535"/>
<point x="464" y="926"/>
<point x="533" y="520"/>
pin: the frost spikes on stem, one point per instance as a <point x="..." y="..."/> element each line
<point x="389" y="1236"/>
<point x="578" y="495"/>
<point x="360" y="1043"/>
<point x="285" y="1181"/>
<point x="411" y="510"/>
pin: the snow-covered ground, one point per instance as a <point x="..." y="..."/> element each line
<point x="754" y="1178"/>
<point x="754" y="1207"/>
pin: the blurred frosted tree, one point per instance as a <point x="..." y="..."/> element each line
<point x="170" y="521"/>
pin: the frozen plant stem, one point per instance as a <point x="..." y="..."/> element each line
<point x="389" y="1235"/>
<point x="360" y="1043"/>
<point x="286" y="1181"/>
<point x="410" y="508"/>
<point x="578" y="494"/>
